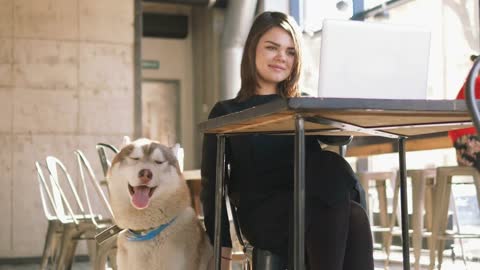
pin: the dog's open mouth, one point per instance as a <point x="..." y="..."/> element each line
<point x="140" y="195"/>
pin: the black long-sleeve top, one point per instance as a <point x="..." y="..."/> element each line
<point x="259" y="164"/>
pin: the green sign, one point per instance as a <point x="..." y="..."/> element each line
<point x="150" y="64"/>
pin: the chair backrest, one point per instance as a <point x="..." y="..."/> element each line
<point x="103" y="155"/>
<point x="61" y="199"/>
<point x="83" y="163"/>
<point x="193" y="179"/>
<point x="46" y="196"/>
<point x="340" y="141"/>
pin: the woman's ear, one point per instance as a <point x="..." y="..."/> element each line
<point x="126" y="141"/>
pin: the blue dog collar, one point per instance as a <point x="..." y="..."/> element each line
<point x="147" y="235"/>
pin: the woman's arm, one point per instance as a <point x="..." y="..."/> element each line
<point x="209" y="160"/>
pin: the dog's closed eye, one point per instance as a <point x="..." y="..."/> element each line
<point x="159" y="161"/>
<point x="134" y="158"/>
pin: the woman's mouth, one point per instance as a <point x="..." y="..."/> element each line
<point x="277" y="67"/>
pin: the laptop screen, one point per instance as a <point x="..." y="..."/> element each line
<point x="373" y="60"/>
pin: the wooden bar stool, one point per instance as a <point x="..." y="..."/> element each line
<point x="442" y="194"/>
<point x="385" y="226"/>
<point x="193" y="179"/>
<point x="422" y="189"/>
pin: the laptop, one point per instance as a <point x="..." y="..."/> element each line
<point x="373" y="60"/>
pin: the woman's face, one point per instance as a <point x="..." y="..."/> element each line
<point x="275" y="55"/>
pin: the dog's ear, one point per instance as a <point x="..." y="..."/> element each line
<point x="126" y="141"/>
<point x="178" y="153"/>
<point x="175" y="150"/>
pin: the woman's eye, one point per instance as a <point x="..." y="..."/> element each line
<point x="159" y="162"/>
<point x="291" y="53"/>
<point x="271" y="48"/>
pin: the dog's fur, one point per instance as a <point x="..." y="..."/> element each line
<point x="183" y="245"/>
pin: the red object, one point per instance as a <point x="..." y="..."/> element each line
<point x="455" y="134"/>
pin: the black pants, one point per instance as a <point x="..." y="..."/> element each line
<point x="338" y="235"/>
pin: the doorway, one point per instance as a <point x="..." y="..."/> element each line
<point x="161" y="111"/>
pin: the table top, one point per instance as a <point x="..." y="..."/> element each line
<point x="346" y="116"/>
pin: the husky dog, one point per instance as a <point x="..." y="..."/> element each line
<point x="151" y="201"/>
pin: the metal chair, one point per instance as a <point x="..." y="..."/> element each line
<point x="106" y="240"/>
<point x="82" y="227"/>
<point x="255" y="258"/>
<point x="55" y="229"/>
<point x="101" y="147"/>
<point x="101" y="253"/>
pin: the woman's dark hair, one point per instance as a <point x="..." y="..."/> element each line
<point x="263" y="23"/>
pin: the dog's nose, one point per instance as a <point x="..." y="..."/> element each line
<point x="145" y="175"/>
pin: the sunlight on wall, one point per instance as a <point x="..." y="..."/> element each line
<point x="454" y="29"/>
<point x="415" y="160"/>
<point x="455" y="36"/>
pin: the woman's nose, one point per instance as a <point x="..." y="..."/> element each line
<point x="281" y="56"/>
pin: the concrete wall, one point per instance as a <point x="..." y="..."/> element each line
<point x="66" y="82"/>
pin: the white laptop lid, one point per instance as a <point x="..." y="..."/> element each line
<point x="373" y="60"/>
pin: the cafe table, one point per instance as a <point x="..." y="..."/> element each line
<point x="388" y="118"/>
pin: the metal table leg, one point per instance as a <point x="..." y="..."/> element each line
<point x="403" y="203"/>
<point x="218" y="199"/>
<point x="299" y="196"/>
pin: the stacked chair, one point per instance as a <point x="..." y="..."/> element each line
<point x="107" y="249"/>
<point x="71" y="215"/>
<point x="57" y="222"/>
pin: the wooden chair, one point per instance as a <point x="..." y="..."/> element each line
<point x="422" y="208"/>
<point x="193" y="177"/>
<point x="385" y="225"/>
<point x="442" y="196"/>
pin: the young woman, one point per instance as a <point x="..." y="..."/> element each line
<point x="261" y="166"/>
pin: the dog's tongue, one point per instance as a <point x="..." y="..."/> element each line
<point x="140" y="196"/>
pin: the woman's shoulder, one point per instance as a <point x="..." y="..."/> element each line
<point x="223" y="107"/>
<point x="235" y="105"/>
